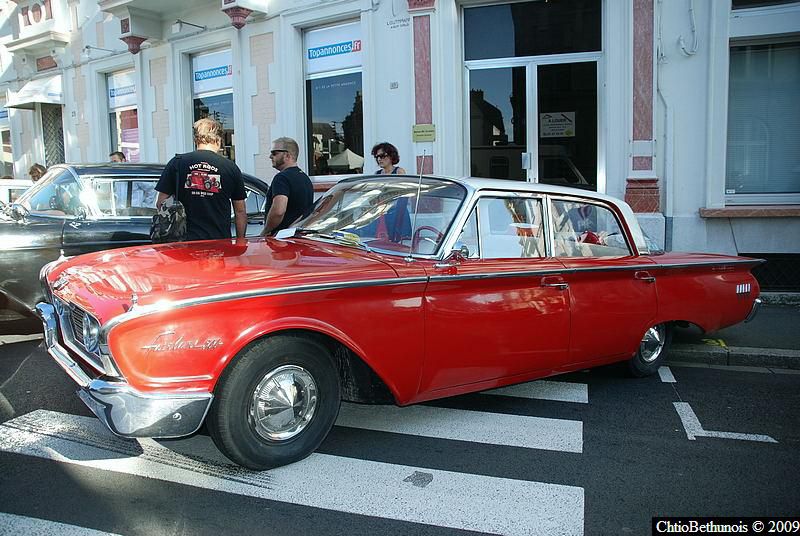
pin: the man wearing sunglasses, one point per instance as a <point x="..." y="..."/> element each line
<point x="291" y="194"/>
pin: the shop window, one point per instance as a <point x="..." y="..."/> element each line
<point x="532" y="29"/>
<point x="212" y="88"/>
<point x="334" y="108"/>
<point x="123" y="117"/>
<point x="763" y="151"/>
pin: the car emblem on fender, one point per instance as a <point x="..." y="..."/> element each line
<point x="61" y="282"/>
<point x="167" y="342"/>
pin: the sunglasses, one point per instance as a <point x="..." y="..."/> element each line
<point x="380" y="155"/>
<point x="277" y="151"/>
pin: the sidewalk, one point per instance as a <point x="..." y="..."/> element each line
<point x="771" y="339"/>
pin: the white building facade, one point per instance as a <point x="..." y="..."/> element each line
<point x="686" y="108"/>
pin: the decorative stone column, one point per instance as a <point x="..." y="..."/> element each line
<point x="643" y="191"/>
<point x="420" y="11"/>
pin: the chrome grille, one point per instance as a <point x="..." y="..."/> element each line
<point x="76" y="319"/>
<point x="70" y="323"/>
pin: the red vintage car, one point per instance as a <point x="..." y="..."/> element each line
<point x="395" y="289"/>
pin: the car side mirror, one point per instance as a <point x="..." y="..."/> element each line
<point x="458" y="254"/>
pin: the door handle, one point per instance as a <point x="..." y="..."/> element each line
<point x="555" y="282"/>
<point x="644" y="276"/>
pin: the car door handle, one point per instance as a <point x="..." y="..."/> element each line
<point x="643" y="275"/>
<point x="555" y="282"/>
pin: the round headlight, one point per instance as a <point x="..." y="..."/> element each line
<point x="91" y="334"/>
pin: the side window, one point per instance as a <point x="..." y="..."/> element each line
<point x="469" y="235"/>
<point x="125" y="197"/>
<point x="59" y="196"/>
<point x="255" y="201"/>
<point x="510" y="228"/>
<point x="586" y="230"/>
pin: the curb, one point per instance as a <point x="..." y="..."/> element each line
<point x="735" y="356"/>
<point x="780" y="298"/>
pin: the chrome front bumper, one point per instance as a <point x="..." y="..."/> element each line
<point x="754" y="310"/>
<point x="124" y="410"/>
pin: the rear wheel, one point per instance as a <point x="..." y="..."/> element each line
<point x="652" y="351"/>
<point x="275" y="403"/>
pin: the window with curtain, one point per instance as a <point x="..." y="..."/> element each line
<point x="763" y="151"/>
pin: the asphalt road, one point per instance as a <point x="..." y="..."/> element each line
<point x="585" y="453"/>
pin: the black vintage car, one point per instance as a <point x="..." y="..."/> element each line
<point x="80" y="208"/>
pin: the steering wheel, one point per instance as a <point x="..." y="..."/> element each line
<point x="417" y="238"/>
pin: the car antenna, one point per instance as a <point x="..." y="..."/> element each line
<point x="416" y="208"/>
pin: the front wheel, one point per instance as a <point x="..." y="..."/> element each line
<point x="275" y="403"/>
<point x="652" y="351"/>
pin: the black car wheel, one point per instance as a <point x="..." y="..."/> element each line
<point x="652" y="351"/>
<point x="275" y="403"/>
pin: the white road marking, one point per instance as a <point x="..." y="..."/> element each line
<point x="666" y="375"/>
<point x="546" y="390"/>
<point x="694" y="429"/>
<point x="419" y="495"/>
<point x="14" y="524"/>
<point x="463" y="425"/>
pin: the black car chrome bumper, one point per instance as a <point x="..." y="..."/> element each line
<point x="754" y="310"/>
<point x="124" y="410"/>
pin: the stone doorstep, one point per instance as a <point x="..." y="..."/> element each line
<point x="735" y="356"/>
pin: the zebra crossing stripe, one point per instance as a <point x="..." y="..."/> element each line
<point x="666" y="375"/>
<point x="546" y="390"/>
<point x="441" y="498"/>
<point x="14" y="524"/>
<point x="463" y="425"/>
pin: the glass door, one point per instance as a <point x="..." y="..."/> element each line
<point x="498" y="122"/>
<point x="566" y="112"/>
<point x="553" y="103"/>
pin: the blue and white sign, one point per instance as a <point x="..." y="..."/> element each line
<point x="4" y="121"/>
<point x="334" y="48"/>
<point x="121" y="90"/>
<point x="212" y="72"/>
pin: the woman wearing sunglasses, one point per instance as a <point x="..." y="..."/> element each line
<point x="387" y="157"/>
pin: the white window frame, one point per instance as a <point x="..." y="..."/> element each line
<point x="330" y="74"/>
<point x="291" y="116"/>
<point x="759" y="25"/>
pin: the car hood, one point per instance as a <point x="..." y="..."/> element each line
<point x="105" y="282"/>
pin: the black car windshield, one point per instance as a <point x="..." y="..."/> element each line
<point x="386" y="215"/>
<point x="56" y="194"/>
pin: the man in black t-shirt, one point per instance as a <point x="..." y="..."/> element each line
<point x="291" y="194"/>
<point x="208" y="184"/>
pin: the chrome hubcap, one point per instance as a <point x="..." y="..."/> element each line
<point x="283" y="403"/>
<point x="652" y="343"/>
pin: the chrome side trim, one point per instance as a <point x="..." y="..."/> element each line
<point x="496" y="275"/>
<point x="142" y="310"/>
<point x="754" y="310"/>
<point x="139" y="311"/>
<point x="533" y="273"/>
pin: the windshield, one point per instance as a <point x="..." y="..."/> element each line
<point x="382" y="212"/>
<point x="55" y="194"/>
